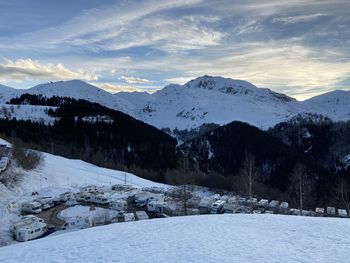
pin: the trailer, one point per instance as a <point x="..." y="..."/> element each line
<point x="263" y="203"/>
<point x="77" y="222"/>
<point x="23" y="221"/>
<point x="142" y="199"/>
<point x="330" y="211"/>
<point x="66" y="196"/>
<point x="46" y="202"/>
<point x="31" y="207"/>
<point x="342" y="213"/>
<point x="119" y="205"/>
<point x="141" y="215"/>
<point x="319" y="211"/>
<point x="156" y="206"/>
<point x="100" y="199"/>
<point x="83" y="197"/>
<point x="89" y="188"/>
<point x="30" y="230"/>
<point x="217" y="207"/>
<point x="128" y="217"/>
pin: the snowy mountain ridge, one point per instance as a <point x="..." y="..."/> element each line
<point x="202" y="100"/>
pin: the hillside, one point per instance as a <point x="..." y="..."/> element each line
<point x="97" y="134"/>
<point x="223" y="152"/>
<point x="213" y="238"/>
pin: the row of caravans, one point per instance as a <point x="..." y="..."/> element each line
<point x="28" y="227"/>
<point x="38" y="205"/>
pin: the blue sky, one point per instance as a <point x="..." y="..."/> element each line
<point x="301" y="48"/>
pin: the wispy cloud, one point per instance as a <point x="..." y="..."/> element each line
<point x="134" y="79"/>
<point x="297" y="19"/>
<point x="27" y="69"/>
<point x="115" y="87"/>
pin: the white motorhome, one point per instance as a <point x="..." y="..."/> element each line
<point x="141" y="215"/>
<point x="156" y="206"/>
<point x="274" y="204"/>
<point x="101" y="199"/>
<point x="46" y="202"/>
<point x="319" y="211"/>
<point x="263" y="203"/>
<point x="23" y="221"/>
<point x="119" y="205"/>
<point x="331" y="211"/>
<point x="342" y="213"/>
<point x="31" y="207"/>
<point x="89" y="188"/>
<point x="83" y="196"/>
<point x="128" y="217"/>
<point x="78" y="223"/>
<point x="67" y="196"/>
<point x="30" y="230"/>
<point x="217" y="207"/>
<point x="141" y="199"/>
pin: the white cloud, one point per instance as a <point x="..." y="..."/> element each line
<point x="113" y="88"/>
<point x="297" y="19"/>
<point x="27" y="69"/>
<point x="134" y="79"/>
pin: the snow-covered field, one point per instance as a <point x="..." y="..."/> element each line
<point x="212" y="238"/>
<point x="84" y="211"/>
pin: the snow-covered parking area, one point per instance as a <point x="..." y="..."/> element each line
<point x="214" y="238"/>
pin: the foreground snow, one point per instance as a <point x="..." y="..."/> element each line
<point x="221" y="238"/>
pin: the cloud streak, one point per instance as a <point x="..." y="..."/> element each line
<point x="27" y="69"/>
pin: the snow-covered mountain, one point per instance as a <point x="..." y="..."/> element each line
<point x="202" y="100"/>
<point x="217" y="100"/>
<point x="7" y="93"/>
<point x="334" y="104"/>
<point x="78" y="89"/>
<point x="206" y="238"/>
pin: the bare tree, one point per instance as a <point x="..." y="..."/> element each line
<point x="344" y="192"/>
<point x="249" y="173"/>
<point x="297" y="184"/>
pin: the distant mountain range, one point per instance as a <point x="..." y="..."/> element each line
<point x="202" y="100"/>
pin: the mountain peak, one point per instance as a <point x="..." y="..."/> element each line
<point x="222" y="84"/>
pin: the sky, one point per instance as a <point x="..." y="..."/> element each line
<point x="300" y="47"/>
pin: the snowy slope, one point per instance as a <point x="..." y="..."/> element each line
<point x="335" y="105"/>
<point x="81" y="90"/>
<point x="212" y="238"/>
<point x="139" y="99"/>
<point x="26" y="112"/>
<point x="217" y="100"/>
<point x="7" y="93"/>
<point x="60" y="172"/>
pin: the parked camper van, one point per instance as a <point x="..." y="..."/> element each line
<point x="46" y="202"/>
<point x="67" y="196"/>
<point x="141" y="200"/>
<point x="342" y="213"/>
<point x="31" y="207"/>
<point x="128" y="217"/>
<point x="217" y="207"/>
<point x="101" y="199"/>
<point x="83" y="197"/>
<point x="141" y="215"/>
<point x="89" y="188"/>
<point x="77" y="223"/>
<point x="263" y="203"/>
<point x="156" y="207"/>
<point x="30" y="230"/>
<point x="119" y="205"/>
<point x="331" y="211"/>
<point x="23" y="221"/>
